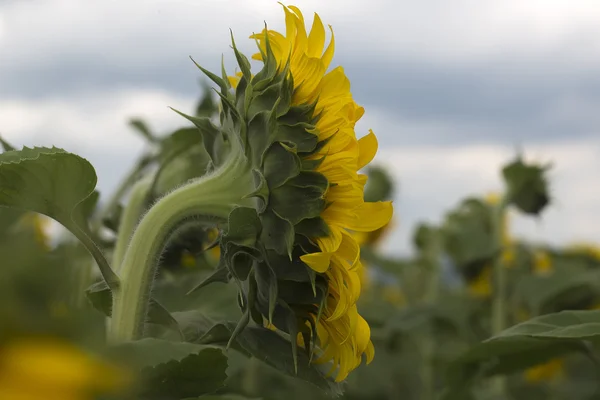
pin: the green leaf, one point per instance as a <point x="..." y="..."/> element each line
<point x="526" y="344"/>
<point x="172" y="370"/>
<point x="141" y="128"/>
<point x="101" y="298"/>
<point x="55" y="183"/>
<point x="272" y="349"/>
<point x="563" y="287"/>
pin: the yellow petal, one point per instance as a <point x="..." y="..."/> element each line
<point x="316" y="38"/>
<point x="319" y="262"/>
<point x="328" y="55"/>
<point x="367" y="149"/>
<point x="372" y="216"/>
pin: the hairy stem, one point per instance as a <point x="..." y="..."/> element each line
<point x="214" y="195"/>
<point x="129" y="220"/>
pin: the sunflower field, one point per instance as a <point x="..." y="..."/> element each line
<point x="240" y="259"/>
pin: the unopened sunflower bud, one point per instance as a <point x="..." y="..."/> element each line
<point x="527" y="187"/>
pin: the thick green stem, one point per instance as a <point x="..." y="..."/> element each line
<point x="129" y="220"/>
<point x="214" y="195"/>
<point x="499" y="286"/>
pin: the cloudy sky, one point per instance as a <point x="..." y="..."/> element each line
<point x="450" y="91"/>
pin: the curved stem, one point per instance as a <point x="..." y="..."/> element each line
<point x="213" y="195"/>
<point x="129" y="220"/>
<point x="110" y="277"/>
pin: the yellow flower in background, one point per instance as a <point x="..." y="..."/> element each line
<point x="344" y="336"/>
<point x="49" y="369"/>
<point x="542" y="265"/>
<point x="39" y="224"/>
<point x="548" y="371"/>
<point x="393" y="295"/>
<point x="481" y="286"/>
<point x="584" y="248"/>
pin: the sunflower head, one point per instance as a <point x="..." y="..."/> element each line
<point x="292" y="252"/>
<point x="527" y="186"/>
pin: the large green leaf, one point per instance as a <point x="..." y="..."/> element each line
<point x="272" y="349"/>
<point x="524" y="345"/>
<point x="174" y="370"/>
<point x="538" y="291"/>
<point x="55" y="183"/>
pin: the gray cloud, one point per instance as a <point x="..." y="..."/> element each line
<point x="448" y="90"/>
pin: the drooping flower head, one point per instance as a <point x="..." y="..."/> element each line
<point x="294" y="122"/>
<point x="343" y="333"/>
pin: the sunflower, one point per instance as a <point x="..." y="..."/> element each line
<point x="549" y="371"/>
<point x="44" y="368"/>
<point x="323" y="96"/>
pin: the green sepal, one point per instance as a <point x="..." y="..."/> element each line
<point x="286" y="269"/>
<point x="264" y="77"/>
<point x="311" y="165"/>
<point x="298" y="133"/>
<point x="280" y="165"/>
<point x="228" y="106"/>
<point x="297" y="203"/>
<point x="312" y="228"/>
<point x="240" y="259"/>
<point x="320" y="145"/>
<point x="310" y="179"/>
<point x="261" y="190"/>
<point x="223" y="83"/>
<point x="277" y="233"/>
<point x="241" y="59"/>
<point x="298" y="114"/>
<point x="210" y="134"/>
<point x="260" y="136"/>
<point x="242" y="323"/>
<point x="243" y="226"/>
<point x="302" y="292"/>
<point x="265" y="100"/>
<point x="268" y="287"/>
<point x="221" y="274"/>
